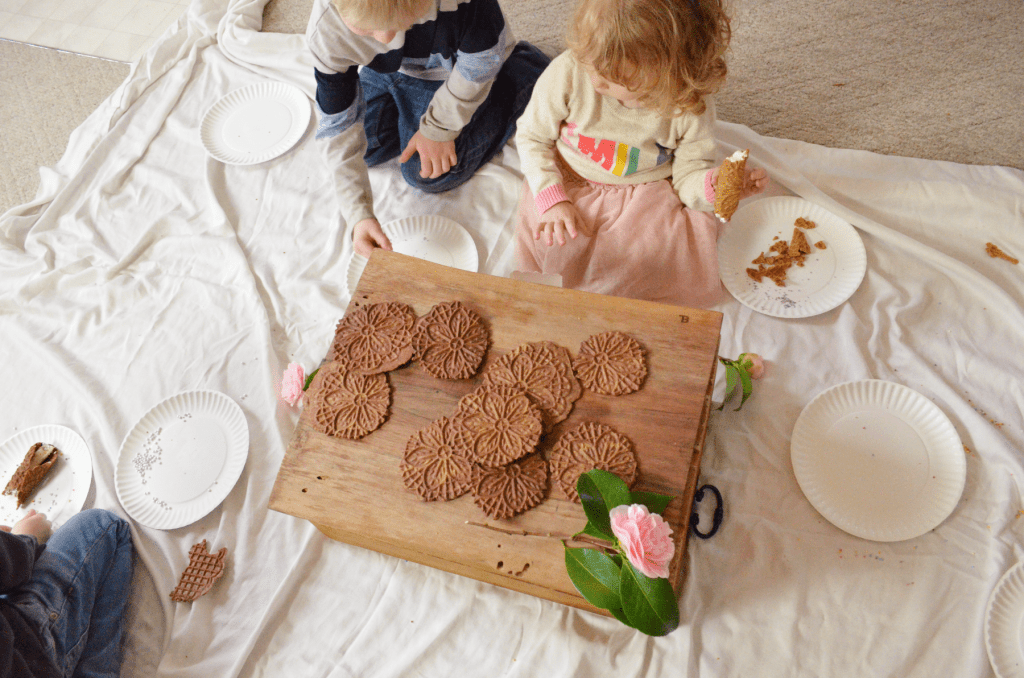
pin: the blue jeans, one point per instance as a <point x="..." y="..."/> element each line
<point x="395" y="103"/>
<point x="78" y="593"/>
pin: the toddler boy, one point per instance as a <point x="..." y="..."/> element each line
<point x="441" y="85"/>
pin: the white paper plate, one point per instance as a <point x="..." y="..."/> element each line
<point x="63" y="491"/>
<point x="828" y="277"/>
<point x="1004" y="624"/>
<point x="181" y="459"/>
<point x="878" y="460"/>
<point x="438" y="240"/>
<point x="255" y="123"/>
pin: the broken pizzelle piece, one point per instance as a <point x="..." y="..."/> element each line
<point x="34" y="467"/>
<point x="730" y="185"/>
<point x="203" y="570"/>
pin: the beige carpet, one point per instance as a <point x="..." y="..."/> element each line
<point x="44" y="96"/>
<point x="935" y="79"/>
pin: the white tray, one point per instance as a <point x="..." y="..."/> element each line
<point x="62" y="493"/>
<point x="432" y="238"/>
<point x="878" y="460"/>
<point x="1004" y="622"/>
<point x="181" y="459"/>
<point x="255" y="123"/>
<point x="828" y="277"/>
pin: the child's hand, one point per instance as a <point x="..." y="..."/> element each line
<point x="561" y="218"/>
<point x="436" y="157"/>
<point x="368" y="235"/>
<point x="35" y="525"/>
<point x="754" y="182"/>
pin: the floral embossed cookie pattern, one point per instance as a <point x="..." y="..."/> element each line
<point x="450" y="341"/>
<point x="436" y="463"/>
<point x="611" y="363"/>
<point x="375" y="338"/>
<point x="349" y="405"/>
<point x="509" y="490"/>
<point x="588" y="446"/>
<point x="543" y="371"/>
<point x="502" y="422"/>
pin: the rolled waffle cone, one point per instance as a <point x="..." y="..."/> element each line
<point x="36" y="465"/>
<point x="730" y="184"/>
<point x="203" y="570"/>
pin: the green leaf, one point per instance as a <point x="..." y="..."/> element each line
<point x="620" y="615"/>
<point x="600" y="492"/>
<point x="611" y="487"/>
<point x="748" y="388"/>
<point x="595" y="576"/>
<point x="655" y="503"/>
<point x="594" y="532"/>
<point x="649" y="604"/>
<point x="309" y="379"/>
<point x="732" y="374"/>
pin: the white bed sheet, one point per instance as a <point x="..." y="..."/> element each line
<point x="144" y="268"/>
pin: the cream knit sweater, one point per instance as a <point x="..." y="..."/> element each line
<point x="605" y="142"/>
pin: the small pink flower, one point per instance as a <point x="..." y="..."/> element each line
<point x="291" y="384"/>
<point x="645" y="537"/>
<point x="754" y="364"/>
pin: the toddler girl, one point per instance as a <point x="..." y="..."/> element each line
<point x="618" y="152"/>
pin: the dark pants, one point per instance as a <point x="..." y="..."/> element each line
<point x="395" y="103"/>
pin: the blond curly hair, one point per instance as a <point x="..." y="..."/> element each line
<point x="671" y="51"/>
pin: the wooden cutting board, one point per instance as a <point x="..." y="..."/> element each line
<point x="353" y="492"/>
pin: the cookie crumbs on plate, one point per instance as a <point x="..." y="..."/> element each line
<point x="993" y="251"/>
<point x="786" y="255"/>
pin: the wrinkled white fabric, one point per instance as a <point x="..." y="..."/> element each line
<point x="144" y="268"/>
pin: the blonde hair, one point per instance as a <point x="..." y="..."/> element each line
<point x="671" y="51"/>
<point x="380" y="13"/>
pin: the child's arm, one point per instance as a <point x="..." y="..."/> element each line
<point x="694" y="158"/>
<point x="342" y="141"/>
<point x="18" y="553"/>
<point x="486" y="42"/>
<point x="537" y="130"/>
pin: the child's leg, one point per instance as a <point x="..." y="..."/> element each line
<point x="493" y="123"/>
<point x="81" y="583"/>
<point x="382" y="120"/>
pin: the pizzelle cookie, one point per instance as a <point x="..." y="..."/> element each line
<point x="502" y="423"/>
<point x="509" y="490"/>
<point x="588" y="446"/>
<point x="30" y="472"/>
<point x="436" y="464"/>
<point x="450" y="341"/>
<point x="374" y="338"/>
<point x="611" y="363"/>
<point x="346" y="404"/>
<point x="202" y="571"/>
<point x="543" y="371"/>
<point x="730" y="184"/>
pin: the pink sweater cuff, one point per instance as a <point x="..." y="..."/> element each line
<point x="709" y="190"/>
<point x="549" y="197"/>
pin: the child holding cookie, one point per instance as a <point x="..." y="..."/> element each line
<point x="618" y="152"/>
<point x="437" y="83"/>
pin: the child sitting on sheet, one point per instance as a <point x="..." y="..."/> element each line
<point x="442" y="84"/>
<point x="63" y="597"/>
<point x="618" y="151"/>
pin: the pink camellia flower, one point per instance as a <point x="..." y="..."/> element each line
<point x="645" y="537"/>
<point x="754" y="364"/>
<point x="291" y="384"/>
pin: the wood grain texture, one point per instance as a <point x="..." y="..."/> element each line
<point x="353" y="491"/>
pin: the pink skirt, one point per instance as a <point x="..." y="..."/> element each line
<point x="645" y="244"/>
